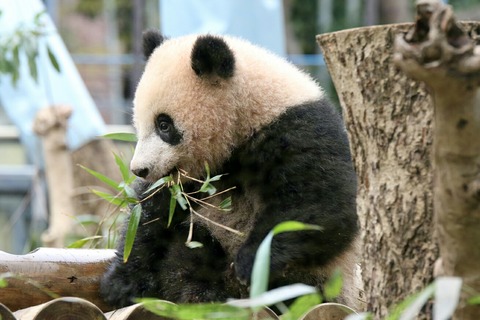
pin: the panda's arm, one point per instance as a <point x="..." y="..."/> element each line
<point x="301" y="167"/>
<point x="140" y="275"/>
<point x="160" y="265"/>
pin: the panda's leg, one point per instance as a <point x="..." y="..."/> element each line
<point x="139" y="276"/>
<point x="136" y="278"/>
<point x="192" y="275"/>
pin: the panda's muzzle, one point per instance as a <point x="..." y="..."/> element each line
<point x="141" y="172"/>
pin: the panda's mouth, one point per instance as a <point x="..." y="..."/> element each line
<point x="174" y="172"/>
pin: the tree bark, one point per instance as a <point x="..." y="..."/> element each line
<point x="439" y="52"/>
<point x="389" y="122"/>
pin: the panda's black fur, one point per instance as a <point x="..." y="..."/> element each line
<point x="298" y="167"/>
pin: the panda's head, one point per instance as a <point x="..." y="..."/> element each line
<point x="201" y="96"/>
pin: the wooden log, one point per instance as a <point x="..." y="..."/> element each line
<point x="48" y="273"/>
<point x="62" y="308"/>
<point x="134" y="312"/>
<point x="328" y="311"/>
<point x="265" y="313"/>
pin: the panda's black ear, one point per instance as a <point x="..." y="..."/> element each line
<point x="151" y="39"/>
<point x="211" y="55"/>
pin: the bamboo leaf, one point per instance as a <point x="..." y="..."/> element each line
<point x="217" y="177"/>
<point x="474" y="300"/>
<point x="131" y="231"/>
<point x="171" y="211"/>
<point x="159" y="183"/>
<point x="3" y="282"/>
<point x="261" y="265"/>
<point x="409" y="307"/>
<point x="207" y="170"/>
<point x="226" y="204"/>
<point x="333" y="287"/>
<point x="209" y="188"/>
<point x="102" y="178"/>
<point x="261" y="268"/>
<point x="124" y="170"/>
<point x="53" y="59"/>
<point x="301" y="305"/>
<point x="289" y="226"/>
<point x="113" y="199"/>
<point x="182" y="202"/>
<point x="129" y="191"/>
<point x="360" y="316"/>
<point x="32" y="66"/>
<point x="413" y="307"/>
<point x="277" y="295"/>
<point x="80" y="243"/>
<point x="447" y="296"/>
<point x="194" y="244"/>
<point x="177" y="194"/>
<point x="121" y="136"/>
<point x="38" y="15"/>
<point x="195" y="311"/>
<point x="16" y="55"/>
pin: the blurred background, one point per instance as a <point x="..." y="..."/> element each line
<point x="87" y="54"/>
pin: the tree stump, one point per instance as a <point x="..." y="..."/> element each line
<point x="389" y="121"/>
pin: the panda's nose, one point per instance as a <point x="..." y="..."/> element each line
<point x="141" y="172"/>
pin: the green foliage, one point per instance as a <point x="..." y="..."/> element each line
<point x="131" y="231"/>
<point x="474" y="300"/>
<point x="304" y="23"/>
<point x="24" y="41"/>
<point x="82" y="242"/>
<point x="102" y="178"/>
<point x="3" y="282"/>
<point x="244" y="309"/>
<point x="121" y="136"/>
<point x="301" y="305"/>
<point x="444" y="290"/>
<point x="126" y="196"/>
<point x="333" y="287"/>
<point x="195" y="311"/>
<point x="123" y="12"/>
<point x="107" y="232"/>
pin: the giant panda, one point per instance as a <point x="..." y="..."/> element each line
<point x="269" y="128"/>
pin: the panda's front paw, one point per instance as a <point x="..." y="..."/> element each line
<point x="115" y="291"/>
<point x="244" y="265"/>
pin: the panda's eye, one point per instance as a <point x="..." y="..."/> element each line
<point x="164" y="126"/>
<point x="166" y="129"/>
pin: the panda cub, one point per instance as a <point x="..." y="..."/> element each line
<point x="253" y="116"/>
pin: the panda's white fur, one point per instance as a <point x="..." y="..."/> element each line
<point x="258" y="106"/>
<point x="215" y="115"/>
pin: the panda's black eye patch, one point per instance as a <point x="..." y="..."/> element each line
<point x="166" y="129"/>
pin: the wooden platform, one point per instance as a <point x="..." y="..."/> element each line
<point x="51" y="284"/>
